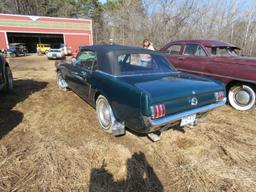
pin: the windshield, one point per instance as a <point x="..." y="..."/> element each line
<point x="224" y="51"/>
<point x="55" y="50"/>
<point x="130" y="64"/>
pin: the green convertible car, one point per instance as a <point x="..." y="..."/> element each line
<point x="136" y="88"/>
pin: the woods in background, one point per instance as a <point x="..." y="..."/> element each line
<point x="130" y="21"/>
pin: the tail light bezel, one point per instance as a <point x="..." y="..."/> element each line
<point x="157" y="111"/>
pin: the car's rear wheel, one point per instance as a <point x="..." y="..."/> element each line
<point x="62" y="84"/>
<point x="242" y="97"/>
<point x="9" y="79"/>
<point x="104" y="114"/>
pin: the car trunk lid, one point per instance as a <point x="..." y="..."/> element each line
<point x="178" y="91"/>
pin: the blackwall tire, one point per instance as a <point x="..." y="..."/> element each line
<point x="242" y="97"/>
<point x="9" y="78"/>
<point x="104" y="114"/>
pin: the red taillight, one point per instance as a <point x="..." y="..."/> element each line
<point x="157" y="111"/>
<point x="219" y="96"/>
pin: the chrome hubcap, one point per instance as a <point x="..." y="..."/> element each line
<point x="104" y="114"/>
<point x="242" y="97"/>
<point x="61" y="82"/>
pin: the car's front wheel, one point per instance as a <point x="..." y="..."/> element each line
<point x="242" y="97"/>
<point x="104" y="114"/>
<point x="62" y="84"/>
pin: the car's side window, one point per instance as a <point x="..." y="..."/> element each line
<point x="194" y="50"/>
<point x="174" y="49"/>
<point x="87" y="60"/>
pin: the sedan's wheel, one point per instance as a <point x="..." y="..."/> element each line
<point x="9" y="78"/>
<point x="62" y="84"/>
<point x="242" y="97"/>
<point x="104" y="114"/>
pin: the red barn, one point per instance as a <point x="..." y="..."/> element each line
<point x="48" y="30"/>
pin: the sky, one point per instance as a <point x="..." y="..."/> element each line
<point x="103" y="1"/>
<point x="243" y="5"/>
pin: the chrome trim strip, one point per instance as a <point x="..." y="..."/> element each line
<point x="172" y="118"/>
<point x="144" y="74"/>
<point x="141" y="74"/>
<point x="212" y="74"/>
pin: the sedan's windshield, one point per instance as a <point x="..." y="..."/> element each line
<point x="143" y="63"/>
<point x="224" y="51"/>
<point x="55" y="50"/>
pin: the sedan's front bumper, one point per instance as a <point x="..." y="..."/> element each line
<point x="155" y="124"/>
<point x="55" y="56"/>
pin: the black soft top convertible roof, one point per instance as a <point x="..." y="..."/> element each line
<point x="107" y="55"/>
<point x="113" y="48"/>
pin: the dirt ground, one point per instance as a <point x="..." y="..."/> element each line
<point x="50" y="141"/>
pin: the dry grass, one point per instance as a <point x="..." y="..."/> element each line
<point x="50" y="141"/>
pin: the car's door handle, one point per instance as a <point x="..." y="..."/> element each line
<point x="74" y="73"/>
<point x="80" y="77"/>
<point x="180" y="58"/>
<point x="83" y="73"/>
<point x="77" y="75"/>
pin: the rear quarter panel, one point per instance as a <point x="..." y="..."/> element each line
<point x="124" y="98"/>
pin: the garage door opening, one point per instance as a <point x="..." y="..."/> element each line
<point x="31" y="39"/>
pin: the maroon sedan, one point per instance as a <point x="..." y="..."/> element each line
<point x="217" y="60"/>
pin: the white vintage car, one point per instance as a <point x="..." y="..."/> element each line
<point x="66" y="49"/>
<point x="55" y="54"/>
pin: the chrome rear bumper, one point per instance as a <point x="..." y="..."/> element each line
<point x="153" y="124"/>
